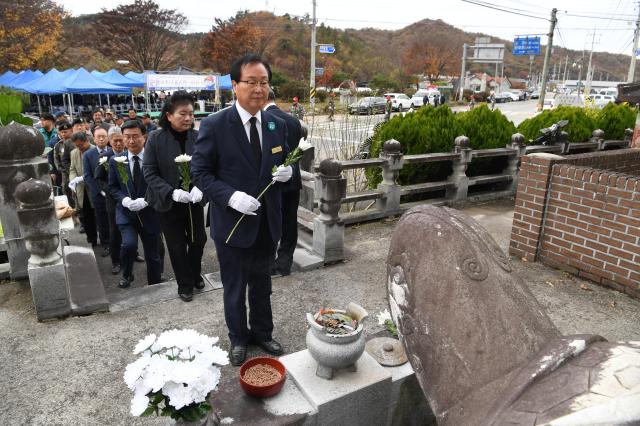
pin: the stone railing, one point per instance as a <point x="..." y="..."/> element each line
<point x="325" y="192"/>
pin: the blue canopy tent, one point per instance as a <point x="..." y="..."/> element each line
<point x="139" y="77"/>
<point x="115" y="78"/>
<point x="24" y="77"/>
<point x="6" y="77"/>
<point x="224" y="81"/>
<point x="82" y="82"/>
<point x="97" y="73"/>
<point x="34" y="86"/>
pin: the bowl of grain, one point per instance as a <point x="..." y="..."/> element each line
<point x="262" y="376"/>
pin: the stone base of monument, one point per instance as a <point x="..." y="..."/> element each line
<point x="49" y="291"/>
<point x="86" y="290"/>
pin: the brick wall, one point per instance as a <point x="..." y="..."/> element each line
<point x="572" y="214"/>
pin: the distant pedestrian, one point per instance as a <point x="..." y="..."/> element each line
<point x="297" y="110"/>
<point x="436" y="101"/>
<point x="472" y="102"/>
<point x="331" y="107"/>
<point x="443" y="100"/>
<point x="148" y="123"/>
<point x="425" y="100"/>
<point x="387" y="108"/>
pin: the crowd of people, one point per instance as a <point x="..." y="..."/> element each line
<point x="123" y="176"/>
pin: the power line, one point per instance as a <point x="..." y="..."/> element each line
<point x="492" y="6"/>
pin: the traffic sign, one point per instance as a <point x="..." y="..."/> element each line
<point x="526" y="45"/>
<point x="326" y="48"/>
<point x="319" y="72"/>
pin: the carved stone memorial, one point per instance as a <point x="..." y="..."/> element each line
<point x="483" y="350"/>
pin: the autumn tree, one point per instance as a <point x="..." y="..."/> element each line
<point x="229" y="39"/>
<point x="140" y="32"/>
<point x="429" y="59"/>
<point x="29" y="30"/>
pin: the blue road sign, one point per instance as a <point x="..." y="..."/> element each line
<point x="526" y="46"/>
<point x="326" y="48"/>
<point x="319" y="72"/>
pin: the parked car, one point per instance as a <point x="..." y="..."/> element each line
<point x="503" y="97"/>
<point x="512" y="96"/>
<point x="369" y="105"/>
<point x="535" y="94"/>
<point x="399" y="101"/>
<point x="601" y="100"/>
<point x="519" y="93"/>
<point x="420" y="94"/>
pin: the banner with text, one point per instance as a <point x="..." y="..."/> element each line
<point x="181" y="81"/>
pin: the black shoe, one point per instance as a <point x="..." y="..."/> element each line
<point x="186" y="296"/>
<point x="199" y="284"/>
<point x="139" y="258"/>
<point x="115" y="269"/>
<point x="238" y="354"/>
<point x="105" y="252"/>
<point x="125" y="282"/>
<point x="271" y="346"/>
<point x="81" y="230"/>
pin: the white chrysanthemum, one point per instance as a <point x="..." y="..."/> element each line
<point x="139" y="403"/>
<point x="184" y="158"/>
<point x="158" y="372"/>
<point x="179" y="395"/>
<point x="135" y="370"/>
<point x="144" y="344"/>
<point x="304" y="144"/>
<point x="181" y="339"/>
<point x="102" y="160"/>
<point x="384" y="316"/>
<point x="213" y="355"/>
<point x="121" y="159"/>
<point x="184" y="372"/>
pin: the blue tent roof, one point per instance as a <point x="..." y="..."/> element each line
<point x="225" y="82"/>
<point x="6" y="77"/>
<point x="114" y="77"/>
<point x="24" y="77"/>
<point x="139" y="77"/>
<point x="82" y="82"/>
<point x="48" y="84"/>
<point x="97" y="73"/>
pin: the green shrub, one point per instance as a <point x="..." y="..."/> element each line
<point x="425" y="131"/>
<point x="613" y="119"/>
<point x="580" y="126"/>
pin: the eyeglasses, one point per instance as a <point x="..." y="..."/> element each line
<point x="132" y="137"/>
<point x="254" y="84"/>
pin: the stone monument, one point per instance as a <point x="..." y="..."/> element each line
<point x="483" y="350"/>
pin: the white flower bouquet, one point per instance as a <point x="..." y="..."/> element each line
<point x="121" y="165"/>
<point x="174" y="374"/>
<point x="104" y="162"/>
<point x="184" y="170"/>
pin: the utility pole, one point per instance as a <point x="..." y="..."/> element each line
<point x="632" y="65"/>
<point x="587" y="87"/>
<point x="547" y="58"/>
<point x="463" y="71"/>
<point x="312" y="75"/>
<point x="566" y="62"/>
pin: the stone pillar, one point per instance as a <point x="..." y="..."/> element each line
<point x="40" y="230"/>
<point x="328" y="228"/>
<point x="458" y="177"/>
<point x="394" y="160"/>
<point x="628" y="136"/>
<point x="598" y="136"/>
<point x="21" y="149"/>
<point x="563" y="140"/>
<point x="517" y="144"/>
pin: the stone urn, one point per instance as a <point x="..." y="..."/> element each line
<point x="335" y="351"/>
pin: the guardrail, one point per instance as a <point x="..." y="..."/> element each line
<point x="325" y="191"/>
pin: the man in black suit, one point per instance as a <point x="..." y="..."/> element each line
<point x="232" y="163"/>
<point x="133" y="215"/>
<point x="98" y="196"/>
<point x="290" y="194"/>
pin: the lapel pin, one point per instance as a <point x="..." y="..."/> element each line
<point x="271" y="125"/>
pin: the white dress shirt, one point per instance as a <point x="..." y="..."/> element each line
<point x="131" y="161"/>
<point x="245" y="116"/>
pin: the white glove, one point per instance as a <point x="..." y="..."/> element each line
<point x="74" y="182"/>
<point x="244" y="203"/>
<point x="181" y="196"/>
<point x="104" y="194"/>
<point x="196" y="195"/>
<point x="126" y="202"/>
<point x="138" y="204"/>
<point x="283" y="174"/>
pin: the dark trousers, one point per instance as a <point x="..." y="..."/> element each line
<point x="185" y="249"/>
<point x="247" y="267"/>
<point x="115" y="239"/>
<point x="87" y="218"/>
<point x="102" y="221"/>
<point x="151" y="246"/>
<point x="289" y="239"/>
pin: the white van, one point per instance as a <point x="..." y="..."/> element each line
<point x="416" y="100"/>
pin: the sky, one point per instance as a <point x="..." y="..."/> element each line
<point x="608" y="24"/>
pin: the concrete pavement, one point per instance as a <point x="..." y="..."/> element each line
<point x="69" y="372"/>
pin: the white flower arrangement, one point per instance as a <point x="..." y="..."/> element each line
<point x="102" y="160"/>
<point x="174" y="374"/>
<point x="122" y="159"/>
<point x="184" y="158"/>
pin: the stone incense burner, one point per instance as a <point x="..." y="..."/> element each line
<point x="336" y="351"/>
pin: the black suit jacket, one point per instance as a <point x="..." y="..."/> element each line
<point x="294" y="129"/>
<point x="160" y="169"/>
<point x="223" y="162"/>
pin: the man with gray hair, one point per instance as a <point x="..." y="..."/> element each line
<point x="77" y="185"/>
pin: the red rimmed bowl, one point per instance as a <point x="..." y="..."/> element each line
<point x="262" y="391"/>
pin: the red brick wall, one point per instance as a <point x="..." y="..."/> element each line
<point x="581" y="219"/>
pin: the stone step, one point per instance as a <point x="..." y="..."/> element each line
<point x="134" y="297"/>
<point x="84" y="283"/>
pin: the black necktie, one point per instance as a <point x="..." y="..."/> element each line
<point x="137" y="173"/>
<point x="255" y="141"/>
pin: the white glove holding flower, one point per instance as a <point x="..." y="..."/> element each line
<point x="196" y="195"/>
<point x="282" y="174"/>
<point x="137" y="204"/>
<point x="244" y="203"/>
<point x="181" y="196"/>
<point x="126" y="202"/>
<point x="74" y="182"/>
